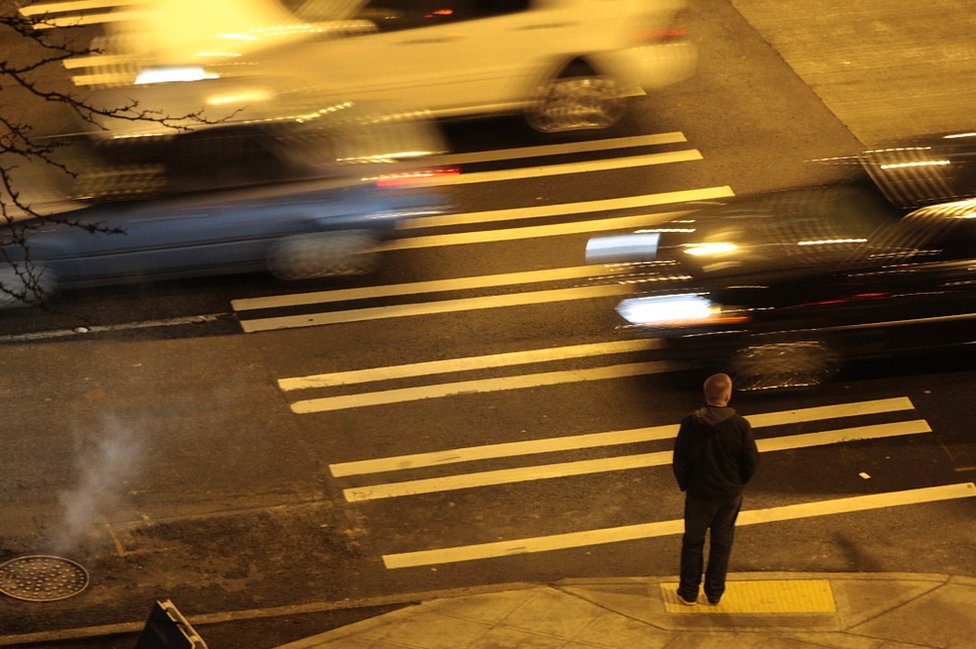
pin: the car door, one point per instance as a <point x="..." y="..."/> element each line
<point x="148" y="241"/>
<point x="923" y="294"/>
<point x="173" y="238"/>
<point x="448" y="56"/>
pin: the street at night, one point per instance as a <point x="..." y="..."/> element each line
<point x="281" y="458"/>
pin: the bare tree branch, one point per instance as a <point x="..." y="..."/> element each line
<point x="32" y="72"/>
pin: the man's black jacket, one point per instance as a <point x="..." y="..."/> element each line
<point x="714" y="454"/>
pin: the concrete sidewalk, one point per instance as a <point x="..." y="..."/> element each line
<point x="759" y="610"/>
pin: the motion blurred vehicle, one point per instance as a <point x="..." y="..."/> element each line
<point x="564" y="64"/>
<point x="306" y="199"/>
<point x="781" y="289"/>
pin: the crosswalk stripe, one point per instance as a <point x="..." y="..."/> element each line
<point x="584" y="146"/>
<point x="835" y="411"/>
<point x="566" y="209"/>
<point x="559" y="169"/>
<point x="527" y="232"/>
<point x="430" y="308"/>
<point x="675" y="527"/>
<point x="413" y="288"/>
<point x="507" y="449"/>
<point x="619" y="463"/>
<point x="541" y="379"/>
<point x="611" y="438"/>
<point x="427" y="368"/>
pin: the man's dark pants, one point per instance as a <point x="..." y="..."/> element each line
<point x="700" y="516"/>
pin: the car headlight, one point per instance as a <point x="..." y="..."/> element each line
<point x="678" y="311"/>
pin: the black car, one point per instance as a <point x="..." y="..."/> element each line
<point x="781" y="289"/>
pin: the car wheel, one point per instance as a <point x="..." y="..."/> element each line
<point x="324" y="254"/>
<point x="580" y="99"/>
<point x="28" y="286"/>
<point x="781" y="365"/>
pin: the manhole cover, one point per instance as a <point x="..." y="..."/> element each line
<point x="42" y="578"/>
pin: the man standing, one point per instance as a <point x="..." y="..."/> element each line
<point x="715" y="455"/>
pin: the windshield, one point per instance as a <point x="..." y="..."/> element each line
<point x="783" y="230"/>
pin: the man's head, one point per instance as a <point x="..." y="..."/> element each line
<point x="718" y="389"/>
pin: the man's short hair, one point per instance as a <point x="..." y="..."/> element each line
<point x="717" y="387"/>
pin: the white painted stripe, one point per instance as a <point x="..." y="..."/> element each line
<point x="675" y="527"/>
<point x="528" y="232"/>
<point x="430" y="308"/>
<point x="854" y="409"/>
<point x="505" y="476"/>
<point x="541" y="171"/>
<point x="507" y="449"/>
<point x="876" y="431"/>
<point x="611" y="438"/>
<point x="413" y="288"/>
<point x="583" y="146"/>
<point x="619" y="463"/>
<point x="565" y="209"/>
<point x="480" y="385"/>
<point x="427" y="368"/>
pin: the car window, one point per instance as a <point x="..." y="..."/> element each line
<point x="949" y="228"/>
<point x="819" y="213"/>
<point x="395" y="15"/>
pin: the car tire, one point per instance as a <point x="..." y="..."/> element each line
<point x="579" y="99"/>
<point x="324" y="254"/>
<point x="783" y="365"/>
<point x="26" y="286"/>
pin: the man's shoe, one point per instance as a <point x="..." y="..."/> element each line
<point x="714" y="601"/>
<point x="686" y="602"/>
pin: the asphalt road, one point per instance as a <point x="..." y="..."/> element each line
<point x="214" y="461"/>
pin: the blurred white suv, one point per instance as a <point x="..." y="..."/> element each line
<point x="563" y="64"/>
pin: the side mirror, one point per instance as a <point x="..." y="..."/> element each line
<point x="634" y="247"/>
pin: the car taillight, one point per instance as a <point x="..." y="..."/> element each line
<point x="675" y="30"/>
<point x="419" y="178"/>
<point x="678" y="311"/>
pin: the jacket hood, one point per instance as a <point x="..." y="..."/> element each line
<point x="713" y="415"/>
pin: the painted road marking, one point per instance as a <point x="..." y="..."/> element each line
<point x="853" y="409"/>
<point x="466" y="363"/>
<point x="567" y="209"/>
<point x="528" y="232"/>
<point x="675" y="527"/>
<point x="559" y="169"/>
<point x="431" y="308"/>
<point x="591" y="440"/>
<point x="414" y="288"/>
<point x="619" y="463"/>
<point x="523" y="381"/>
<point x="583" y="146"/>
<point x="761" y="596"/>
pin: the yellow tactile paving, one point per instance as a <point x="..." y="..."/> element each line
<point x="760" y="596"/>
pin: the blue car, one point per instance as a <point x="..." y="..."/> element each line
<point x="306" y="203"/>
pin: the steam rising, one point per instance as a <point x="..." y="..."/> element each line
<point x="104" y="465"/>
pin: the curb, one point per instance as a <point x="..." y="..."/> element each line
<point x="81" y="633"/>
